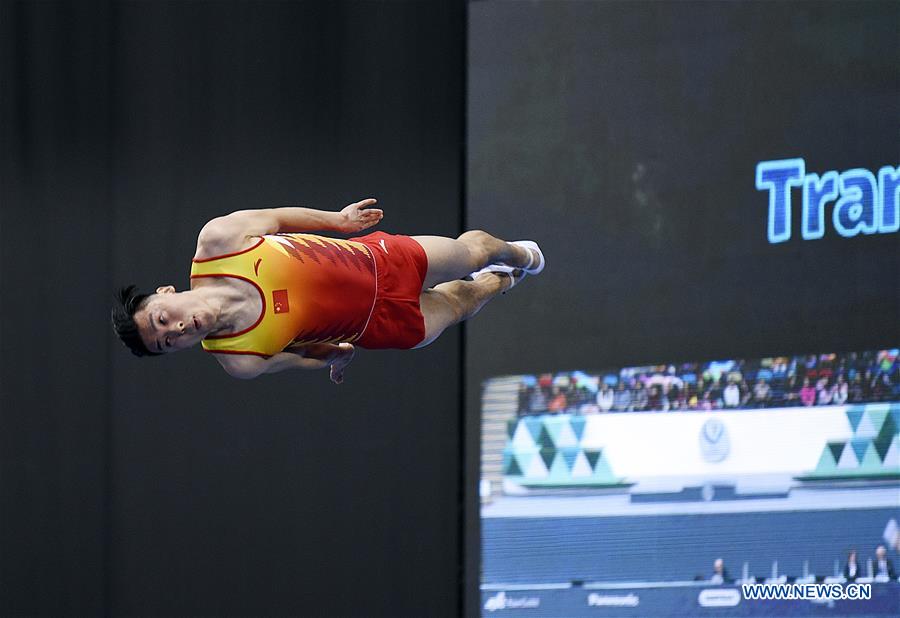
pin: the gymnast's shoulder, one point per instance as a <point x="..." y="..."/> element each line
<point x="231" y="233"/>
<point x="242" y="366"/>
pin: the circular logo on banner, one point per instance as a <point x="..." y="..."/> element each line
<point x="714" y="443"/>
<point x="719" y="597"/>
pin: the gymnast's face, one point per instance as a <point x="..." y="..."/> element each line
<point x="170" y="321"/>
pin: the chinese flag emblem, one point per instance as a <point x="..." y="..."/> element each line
<point x="280" y="301"/>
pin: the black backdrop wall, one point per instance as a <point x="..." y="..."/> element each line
<point x="162" y="486"/>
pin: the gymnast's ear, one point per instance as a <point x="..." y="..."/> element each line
<point x="165" y="289"/>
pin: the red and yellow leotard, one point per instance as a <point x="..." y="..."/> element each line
<point x="313" y="290"/>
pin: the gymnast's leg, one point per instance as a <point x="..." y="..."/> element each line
<point x="456" y="301"/>
<point x="450" y="259"/>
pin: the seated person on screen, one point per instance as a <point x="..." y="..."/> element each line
<point x="852" y="569"/>
<point x="840" y="392"/>
<point x="622" y="400"/>
<point x="762" y="393"/>
<point x="731" y="396"/>
<point x="639" y="398"/>
<point x="266" y="296"/>
<point x="884" y="568"/>
<point x="605" y="398"/>
<point x="720" y="573"/>
<point x="808" y="393"/>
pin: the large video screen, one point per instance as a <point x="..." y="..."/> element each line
<point x="707" y="180"/>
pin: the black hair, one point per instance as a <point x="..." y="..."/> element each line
<point x="129" y="300"/>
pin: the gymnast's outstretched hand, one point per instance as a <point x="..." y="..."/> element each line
<point x="359" y="215"/>
<point x="314" y="356"/>
<point x="343" y="356"/>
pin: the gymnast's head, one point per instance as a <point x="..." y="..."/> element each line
<point x="159" y="323"/>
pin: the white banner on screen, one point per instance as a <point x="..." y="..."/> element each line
<point x="781" y="441"/>
<point x="753" y="451"/>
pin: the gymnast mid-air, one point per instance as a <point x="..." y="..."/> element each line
<point x="265" y="295"/>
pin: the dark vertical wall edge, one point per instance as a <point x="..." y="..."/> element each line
<point x="470" y="597"/>
<point x="469" y="450"/>
<point x="112" y="347"/>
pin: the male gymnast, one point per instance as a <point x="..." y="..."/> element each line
<point x="266" y="295"/>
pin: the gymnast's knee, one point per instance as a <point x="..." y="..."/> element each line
<point x="479" y="244"/>
<point x="475" y="237"/>
<point x="458" y="298"/>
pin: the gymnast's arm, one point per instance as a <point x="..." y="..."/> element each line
<point x="313" y="356"/>
<point x="242" y="224"/>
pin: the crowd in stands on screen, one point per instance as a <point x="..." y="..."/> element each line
<point x="814" y="380"/>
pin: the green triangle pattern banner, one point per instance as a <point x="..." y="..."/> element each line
<point x="874" y="449"/>
<point x="545" y="451"/>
